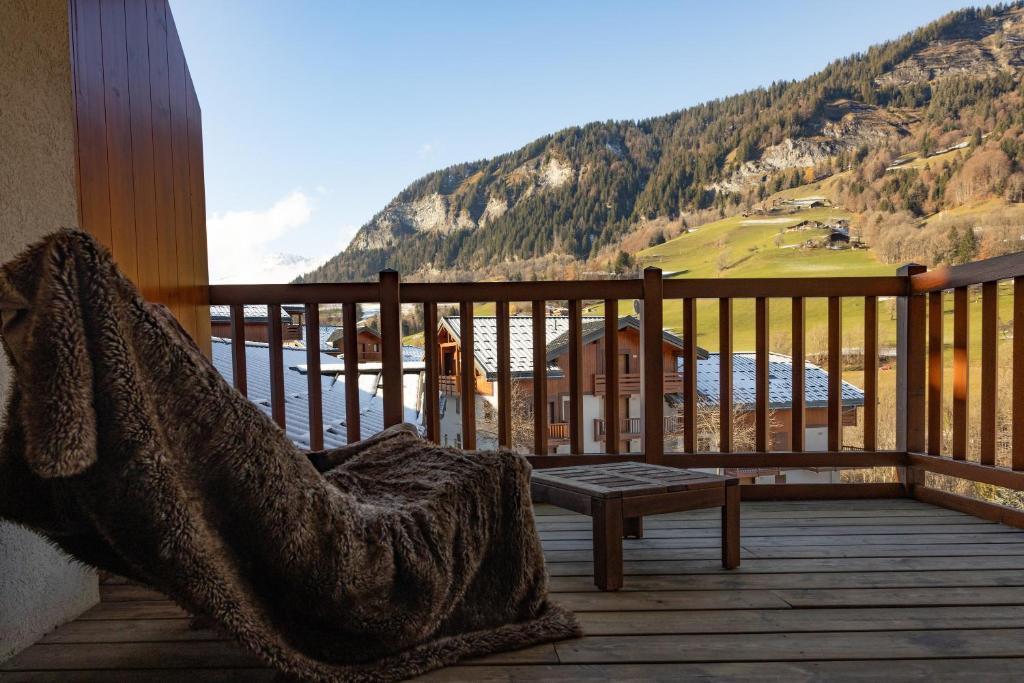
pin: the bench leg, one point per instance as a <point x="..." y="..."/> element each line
<point x="731" y="528"/>
<point x="633" y="527"/>
<point x="607" y="520"/>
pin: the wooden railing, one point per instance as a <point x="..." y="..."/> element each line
<point x="632" y="427"/>
<point x="630" y="383"/>
<point x="913" y="289"/>
<point x="558" y="431"/>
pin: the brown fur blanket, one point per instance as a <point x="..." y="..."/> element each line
<point x="126" y="448"/>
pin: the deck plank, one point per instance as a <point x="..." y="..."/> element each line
<point x="828" y="590"/>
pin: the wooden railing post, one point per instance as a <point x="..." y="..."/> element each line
<point x="275" y="348"/>
<point x="238" y="371"/>
<point x="611" y="374"/>
<point x="431" y="405"/>
<point x="313" y="386"/>
<point x="391" y="347"/>
<point x="910" y="376"/>
<point x="652" y="376"/>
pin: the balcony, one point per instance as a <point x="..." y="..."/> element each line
<point x="896" y="575"/>
<point x="829" y="590"/>
<point x="632" y="427"/>
<point x="629" y="383"/>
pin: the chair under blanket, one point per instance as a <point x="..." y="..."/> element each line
<point x="126" y="448"/>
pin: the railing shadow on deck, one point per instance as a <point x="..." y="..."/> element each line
<point x="918" y="294"/>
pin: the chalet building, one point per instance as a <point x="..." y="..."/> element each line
<point x="255" y="324"/>
<point x="744" y="375"/>
<point x="367" y="342"/>
<point x="521" y="351"/>
<point x="780" y="405"/>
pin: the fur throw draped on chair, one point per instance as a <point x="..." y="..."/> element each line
<point x="124" y="447"/>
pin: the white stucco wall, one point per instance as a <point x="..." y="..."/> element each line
<point x="39" y="586"/>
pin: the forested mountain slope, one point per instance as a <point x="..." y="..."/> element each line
<point x="930" y="122"/>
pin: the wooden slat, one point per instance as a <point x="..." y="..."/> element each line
<point x="761" y="374"/>
<point x="143" y="172"/>
<point x="276" y="351"/>
<point x="540" y="378"/>
<point x="611" y="373"/>
<point x="391" y="348"/>
<point x="119" y="138"/>
<point x="935" y="372"/>
<point x="910" y="367"/>
<point x="238" y="375"/>
<point x="547" y="290"/>
<point x="504" y="385"/>
<point x="798" y="429"/>
<point x="183" y="227"/>
<point x="163" y="158"/>
<point x="787" y="459"/>
<point x="989" y="381"/>
<point x="432" y="402"/>
<point x="322" y="293"/>
<point x="313" y="385"/>
<point x="821" y="491"/>
<point x="467" y="376"/>
<point x="575" y="377"/>
<point x="835" y="373"/>
<point x="988" y="270"/>
<point x="1017" y="392"/>
<point x="197" y="200"/>
<point x="870" y="373"/>
<point x="351" y="356"/>
<point x="652" y="366"/>
<point x="93" y="176"/>
<point x="972" y="471"/>
<point x="725" y="375"/>
<point x="782" y="287"/>
<point x="689" y="375"/>
<point x="972" y="506"/>
<point x="961" y="370"/>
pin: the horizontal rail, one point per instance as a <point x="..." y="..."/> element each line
<point x="326" y="293"/>
<point x="785" y="287"/>
<point x="550" y="290"/>
<point x="964" y="469"/>
<point x="951" y="277"/>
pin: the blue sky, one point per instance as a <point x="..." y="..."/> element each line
<point x="316" y="113"/>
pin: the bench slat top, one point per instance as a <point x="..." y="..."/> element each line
<point x="616" y="480"/>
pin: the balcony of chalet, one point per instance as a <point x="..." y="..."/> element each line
<point x="908" y="564"/>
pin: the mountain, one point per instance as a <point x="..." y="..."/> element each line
<point x="576" y="196"/>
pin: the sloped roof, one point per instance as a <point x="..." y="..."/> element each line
<point x="254" y="313"/>
<point x="325" y="333"/>
<point x="485" y="341"/>
<point x="780" y="384"/>
<point x="593" y="329"/>
<point x="296" y="401"/>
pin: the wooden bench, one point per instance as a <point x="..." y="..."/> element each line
<point x="617" y="496"/>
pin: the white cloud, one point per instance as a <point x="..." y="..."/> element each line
<point x="425" y="150"/>
<point x="240" y="243"/>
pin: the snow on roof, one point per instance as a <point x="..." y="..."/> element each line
<point x="254" y="313"/>
<point x="296" y="400"/>
<point x="325" y="332"/>
<point x="780" y="384"/>
<point x="520" y="332"/>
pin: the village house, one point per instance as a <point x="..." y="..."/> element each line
<point x="521" y="349"/>
<point x="744" y="374"/>
<point x="255" y="324"/>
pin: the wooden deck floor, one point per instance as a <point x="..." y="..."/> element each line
<point x="843" y="590"/>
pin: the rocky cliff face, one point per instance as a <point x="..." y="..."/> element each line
<point x="583" y="188"/>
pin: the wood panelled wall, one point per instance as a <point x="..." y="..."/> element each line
<point x="140" y="151"/>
